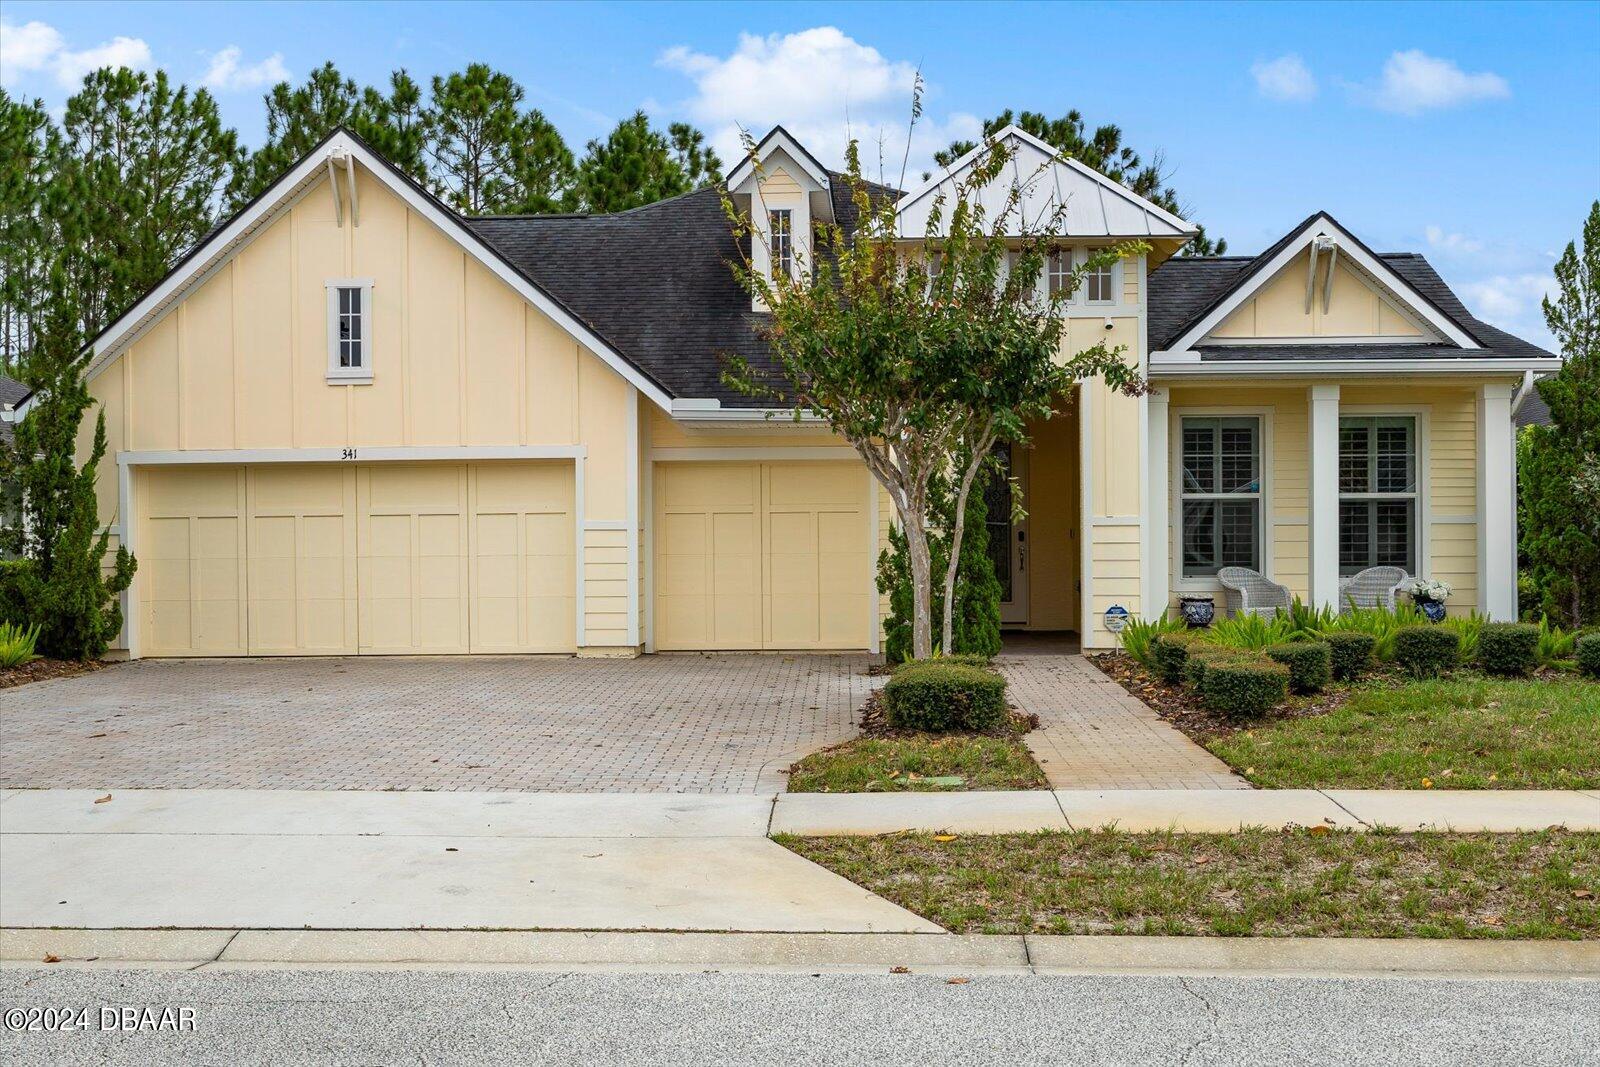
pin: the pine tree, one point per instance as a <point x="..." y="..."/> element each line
<point x="29" y="144"/>
<point x="298" y="117"/>
<point x="637" y="165"/>
<point x="1103" y="150"/>
<point x="1559" y="515"/>
<point x="142" y="173"/>
<point x="489" y="156"/>
<point x="58" y="579"/>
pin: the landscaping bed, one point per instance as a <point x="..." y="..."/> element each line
<point x="1392" y="731"/>
<point x="44" y="669"/>
<point x="1260" y="883"/>
<point x="887" y="759"/>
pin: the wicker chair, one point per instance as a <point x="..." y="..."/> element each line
<point x="1252" y="592"/>
<point x="1371" y="588"/>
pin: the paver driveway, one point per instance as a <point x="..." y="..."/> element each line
<point x="684" y="723"/>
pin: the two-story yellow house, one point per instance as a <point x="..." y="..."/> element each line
<point x="354" y="421"/>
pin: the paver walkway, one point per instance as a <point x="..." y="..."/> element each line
<point x="669" y="724"/>
<point x="1094" y="735"/>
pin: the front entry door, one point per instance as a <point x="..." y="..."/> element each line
<point x="1008" y="541"/>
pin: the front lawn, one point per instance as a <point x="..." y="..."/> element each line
<point x="1456" y="733"/>
<point x="1261" y="883"/>
<point x="919" y="762"/>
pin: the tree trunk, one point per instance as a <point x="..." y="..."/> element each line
<point x="921" y="589"/>
<point x="980" y="451"/>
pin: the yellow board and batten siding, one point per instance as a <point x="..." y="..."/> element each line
<point x="342" y="557"/>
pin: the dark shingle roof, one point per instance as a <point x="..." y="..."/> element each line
<point x="1185" y="288"/>
<point x="1534" y="411"/>
<point x="656" y="282"/>
<point x="12" y="393"/>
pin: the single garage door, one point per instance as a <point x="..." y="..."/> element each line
<point x="761" y="555"/>
<point x="338" y="560"/>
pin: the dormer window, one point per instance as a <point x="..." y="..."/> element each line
<point x="350" y="330"/>
<point x="780" y="238"/>
<point x="1098" y="285"/>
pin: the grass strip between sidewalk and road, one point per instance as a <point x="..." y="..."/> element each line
<point x="1260" y="883"/>
<point x="1460" y="733"/>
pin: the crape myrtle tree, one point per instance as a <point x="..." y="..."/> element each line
<point x="1558" y="465"/>
<point x="923" y="353"/>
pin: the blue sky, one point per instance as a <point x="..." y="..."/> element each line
<point x="1468" y="132"/>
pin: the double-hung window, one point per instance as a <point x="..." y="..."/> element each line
<point x="350" y="330"/>
<point x="1220" y="493"/>
<point x="1378" y="492"/>
<point x="780" y="241"/>
<point x="1060" y="273"/>
<point x="1099" y="285"/>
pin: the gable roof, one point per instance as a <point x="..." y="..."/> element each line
<point x="229" y="236"/>
<point x="778" y="138"/>
<point x="1266" y="266"/>
<point x="1096" y="206"/>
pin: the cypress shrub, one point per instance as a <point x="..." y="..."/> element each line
<point x="1426" y="651"/>
<point x="1508" y="648"/>
<point x="1588" y="651"/>
<point x="1242" y="686"/>
<point x="1310" y="664"/>
<point x="1351" y="653"/>
<point x="938" y="697"/>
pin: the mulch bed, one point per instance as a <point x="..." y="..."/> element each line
<point x="1181" y="706"/>
<point x="875" y="725"/>
<point x="43" y="670"/>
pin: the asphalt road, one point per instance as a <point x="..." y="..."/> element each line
<point x="501" y="1017"/>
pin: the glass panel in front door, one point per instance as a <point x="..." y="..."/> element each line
<point x="1008" y="541"/>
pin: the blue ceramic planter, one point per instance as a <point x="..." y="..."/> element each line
<point x="1197" y="611"/>
<point x="1433" y="609"/>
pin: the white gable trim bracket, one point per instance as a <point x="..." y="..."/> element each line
<point x="227" y="241"/>
<point x="1409" y="301"/>
<point x="1181" y="227"/>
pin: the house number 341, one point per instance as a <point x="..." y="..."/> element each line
<point x="348" y="453"/>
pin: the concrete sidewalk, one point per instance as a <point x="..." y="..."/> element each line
<point x="232" y="859"/>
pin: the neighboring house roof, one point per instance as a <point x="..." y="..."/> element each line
<point x="1534" y="411"/>
<point x="12" y="393"/>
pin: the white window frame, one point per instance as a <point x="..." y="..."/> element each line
<point x="1424" y="496"/>
<point x="774" y="259"/>
<point x="1114" y="273"/>
<point x="1208" y="583"/>
<point x="1062" y="257"/>
<point x="361" y="375"/>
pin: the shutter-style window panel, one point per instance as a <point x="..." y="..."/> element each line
<point x="1220" y="494"/>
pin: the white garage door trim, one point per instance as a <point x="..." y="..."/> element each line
<point x="128" y="528"/>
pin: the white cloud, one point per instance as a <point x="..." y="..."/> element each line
<point x="1414" y="82"/>
<point x="226" y="74"/>
<point x="824" y="87"/>
<point x="1285" y="78"/>
<point x="38" y="46"/>
<point x="1512" y="302"/>
<point x="27" y="47"/>
<point x="1453" y="243"/>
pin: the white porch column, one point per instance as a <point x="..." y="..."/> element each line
<point x="1158" y="490"/>
<point x="1497" y="511"/>
<point x="1322" y="527"/>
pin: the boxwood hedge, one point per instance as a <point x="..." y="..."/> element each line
<point x="941" y="696"/>
<point x="1508" y="648"/>
<point x="1351" y="653"/>
<point x="1427" y="650"/>
<point x="1310" y="664"/>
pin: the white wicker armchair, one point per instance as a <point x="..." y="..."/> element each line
<point x="1252" y="592"/>
<point x="1371" y="588"/>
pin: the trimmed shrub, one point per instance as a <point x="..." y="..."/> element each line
<point x="1243" y="686"/>
<point x="1351" y="653"/>
<point x="962" y="659"/>
<point x="1508" y="648"/>
<point x="1426" y="651"/>
<point x="1588" y="649"/>
<point x="1171" y="651"/>
<point x="940" y="696"/>
<point x="1310" y="664"/>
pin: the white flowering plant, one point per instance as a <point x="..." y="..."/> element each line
<point x="1426" y="589"/>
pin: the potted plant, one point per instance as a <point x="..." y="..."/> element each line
<point x="1429" y="595"/>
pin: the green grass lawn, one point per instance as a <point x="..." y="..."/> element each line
<point x="905" y="763"/>
<point x="1258" y="883"/>
<point x="1455" y="733"/>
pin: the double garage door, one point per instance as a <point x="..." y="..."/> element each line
<point x="344" y="559"/>
<point x="762" y="555"/>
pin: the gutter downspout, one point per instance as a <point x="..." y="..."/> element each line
<point x="1522" y="392"/>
